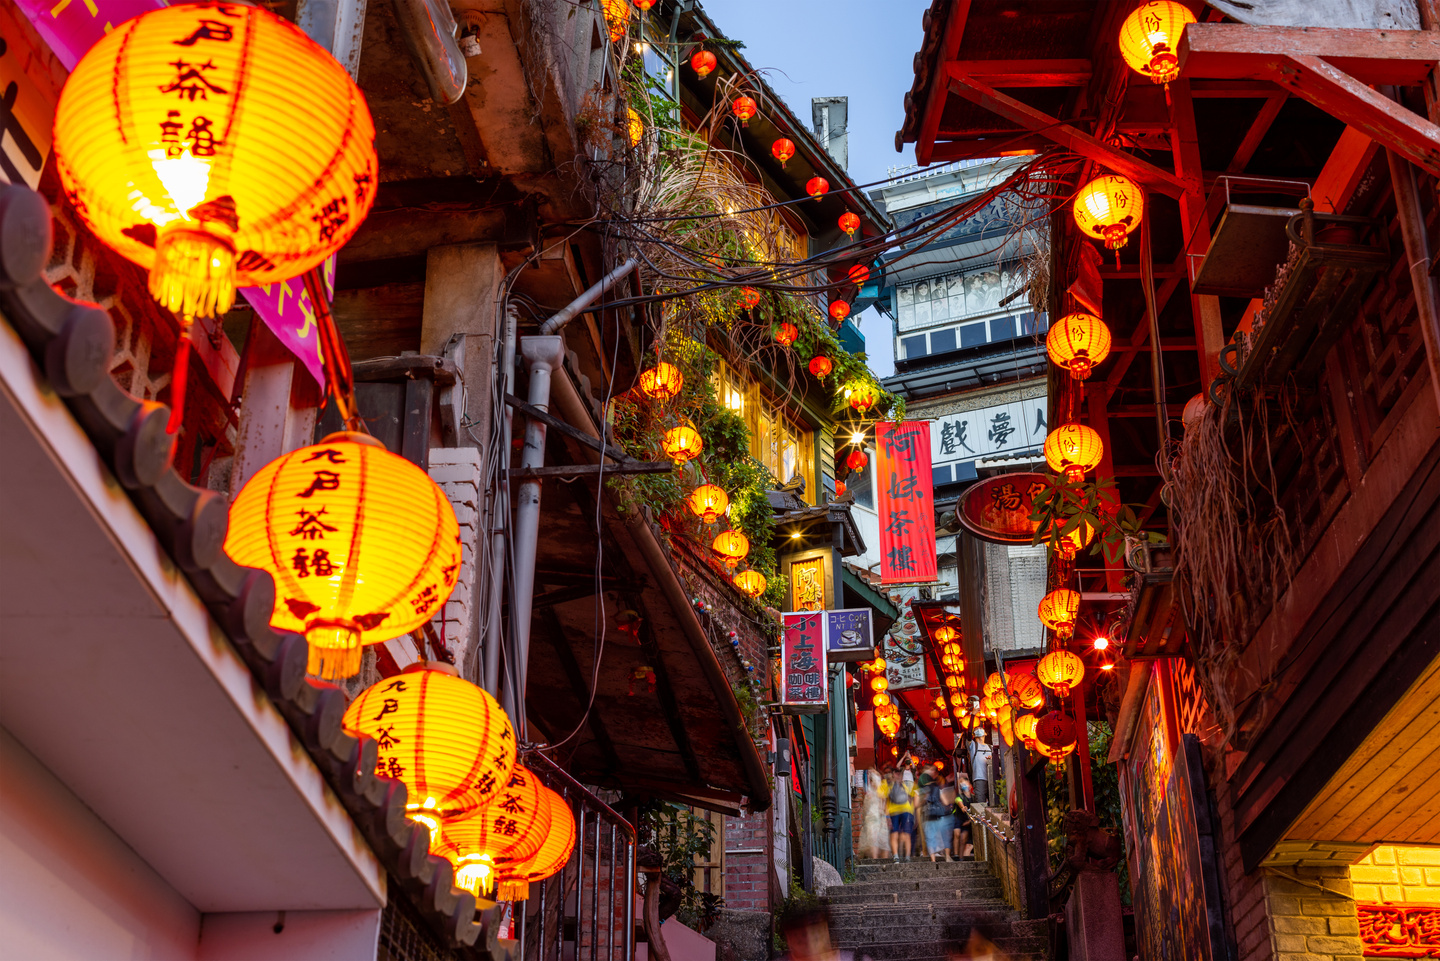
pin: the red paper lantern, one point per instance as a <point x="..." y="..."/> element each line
<point x="839" y="309"/>
<point x="856" y="460"/>
<point x="703" y="61"/>
<point x="749" y="297"/>
<point x="817" y="187"/>
<point x="785" y="333"/>
<point x="820" y="365"/>
<point x="731" y="546"/>
<point x="858" y="274"/>
<point x="849" y="223"/>
<point x="1060" y="671"/>
<point x="782" y="150"/>
<point x="643" y="5"/>
<point x="744" y="108"/>
<point x="662" y="381"/>
<point x="1058" y="611"/>
<point x="708" y="502"/>
<point x="862" y="398"/>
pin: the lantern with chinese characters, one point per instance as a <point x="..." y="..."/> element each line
<point x="510" y="829"/>
<point x="362" y="544"/>
<point x="1150" y="36"/>
<point x="662" y="381"/>
<point x="178" y="139"/>
<point x="785" y="333"/>
<point x="817" y="187"/>
<point x="617" y="17"/>
<point x="731" y="546"/>
<point x="949" y="648"/>
<point x="703" y="61"/>
<point x="954" y="682"/>
<point x="879" y="683"/>
<point x="682" y="444"/>
<point x="749" y="297"/>
<point x="950" y="663"/>
<point x="992" y="683"/>
<point x="445" y="739"/>
<point x="1109" y="208"/>
<point x="1058" y="611"/>
<point x="849" y="223"/>
<point x="751" y="583"/>
<point x="1060" y="671"/>
<point x="1004" y="720"/>
<point x="820" y="365"/>
<point x="957" y="701"/>
<point x="782" y="150"/>
<point x="858" y="274"/>
<point x="1027" y="690"/>
<point x="839" y="310"/>
<point x="634" y="126"/>
<point x="555" y="850"/>
<point x="708" y="502"/>
<point x="1078" y="342"/>
<point x="743" y="108"/>
<point x="856" y="460"/>
<point x="1073" y="449"/>
<point x="1055" y="735"/>
<point x="1025" y="730"/>
<point x="945" y="634"/>
<point x="862" y="398"/>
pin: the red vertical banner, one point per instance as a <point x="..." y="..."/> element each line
<point x="803" y="673"/>
<point x="906" y="494"/>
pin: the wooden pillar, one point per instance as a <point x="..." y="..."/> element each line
<point x="1185" y="147"/>
<point x="1082" y="748"/>
<point x="1035" y="856"/>
<point x="281" y="404"/>
<point x="1098" y="417"/>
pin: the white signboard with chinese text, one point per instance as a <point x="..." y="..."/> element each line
<point x="988" y="431"/>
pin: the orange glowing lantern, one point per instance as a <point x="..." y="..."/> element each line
<point x="744" y="108"/>
<point x="950" y="648"/>
<point x="708" y="502"/>
<point x="950" y="663"/>
<point x="362" y="544"/>
<point x="1078" y="342"/>
<point x="1060" y="671"/>
<point x="1055" y="735"/>
<point x="445" y="739"/>
<point x="992" y="684"/>
<point x="617" y="17"/>
<point x="1073" y="449"/>
<point x="703" y="61"/>
<point x="731" y="546"/>
<point x="187" y="162"/>
<point x="849" y="223"/>
<point x="953" y="682"/>
<point x="1025" y="726"/>
<point x="554" y="853"/>
<point x="817" y="187"/>
<point x="785" y="333"/>
<point x="945" y="634"/>
<point x="511" y="829"/>
<point x="749" y="297"/>
<point x="856" y="460"/>
<point x="858" y="274"/>
<point x="751" y="583"/>
<point x="940" y="701"/>
<point x="879" y="683"/>
<point x="682" y="444"/>
<point x="1058" y="611"/>
<point x="634" y="126"/>
<point x="839" y="310"/>
<point x="643" y="5"/>
<point x="957" y="701"/>
<point x="1150" y="36"/>
<point x="1077" y="540"/>
<point x="782" y="150"/>
<point x="1109" y="208"/>
<point x="662" y="381"/>
<point x="1027" y="690"/>
<point x="879" y="699"/>
<point x="820" y="365"/>
<point x="863" y="398"/>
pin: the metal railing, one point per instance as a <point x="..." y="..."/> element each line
<point x="604" y="846"/>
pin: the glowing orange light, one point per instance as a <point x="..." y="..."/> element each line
<point x="839" y="310"/>
<point x="820" y="365"/>
<point x="1025" y="726"/>
<point x="1150" y="36"/>
<point x="362" y="544"/>
<point x="817" y="187"/>
<point x="554" y="853"/>
<point x="953" y="682"/>
<point x="856" y="460"/>
<point x="617" y="16"/>
<point x="782" y="150"/>
<point x="703" y="62"/>
<point x="643" y="5"/>
<point x="785" y="333"/>
<point x="879" y="699"/>
<point x="1058" y="611"/>
<point x="731" y="546"/>
<point x="849" y="223"/>
<point x="1027" y="690"/>
<point x="957" y="701"/>
<point x="744" y="108"/>
<point x="1101" y="643"/>
<point x="1060" y="671"/>
<point x="751" y="583"/>
<point x="879" y="683"/>
<point x="945" y="634"/>
<point x="682" y="444"/>
<point x="635" y="126"/>
<point x="708" y="502"/>
<point x="1055" y="735"/>
<point x="1073" y="449"/>
<point x="510" y="829"/>
<point x="858" y="274"/>
<point x="950" y="648"/>
<point x="662" y="381"/>
<point x="1078" y="342"/>
<point x="1109" y="208"/>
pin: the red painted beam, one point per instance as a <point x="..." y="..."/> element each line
<point x="939" y="90"/>
<point x="1026" y="73"/>
<point x="1232" y="51"/>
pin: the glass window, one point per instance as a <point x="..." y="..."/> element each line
<point x="914" y="346"/>
<point x="972" y="335"/>
<point x="942" y="340"/>
<point x="1002" y="328"/>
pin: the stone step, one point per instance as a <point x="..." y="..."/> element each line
<point x="918" y="868"/>
<point x="914" y="900"/>
<point x="928" y="933"/>
<point x="1014" y="948"/>
<point x="921" y="883"/>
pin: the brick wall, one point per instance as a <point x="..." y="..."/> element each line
<point x="1312" y="914"/>
<point x="1391" y="874"/>
<point x="747" y="862"/>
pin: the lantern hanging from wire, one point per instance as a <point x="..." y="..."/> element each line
<point x="1073" y="542"/>
<point x="879" y="699"/>
<point x="1109" y="208"/>
<point x="858" y="274"/>
<point x="362" y="544"/>
<point x="1060" y="671"/>
<point x="751" y="583"/>
<point x="839" y="310"/>
<point x="643" y="5"/>
<point x="957" y="701"/>
<point x="1004" y="720"/>
<point x="555" y="850"/>
<point x="708" y="502"/>
<point x="992" y="683"/>
<point x="682" y="444"/>
<point x="782" y="150"/>
<point x="1058" y="611"/>
<point x="945" y="634"/>
<point x="1072" y="450"/>
<point x="820" y="365"/>
<point x="749" y="297"/>
<point x="1024" y="726"/>
<point x="1026" y="689"/>
<point x="634" y="126"/>
<point x="510" y="829"/>
<point x="817" y="187"/>
<point x="1055" y="735"/>
<point x="731" y="546"/>
<point x="785" y="333"/>
<point x="878" y="665"/>
<point x="744" y="108"/>
<point x="950" y="648"/>
<point x="445" y="739"/>
<point x="849" y="222"/>
<point x="662" y="381"/>
<point x="954" y="682"/>
<point x="1078" y="342"/>
<point x="863" y="398"/>
<point x="940" y="701"/>
<point x="703" y="61"/>
<point x="879" y="683"/>
<point x="1150" y="38"/>
<point x="856" y="460"/>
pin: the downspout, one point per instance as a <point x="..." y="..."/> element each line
<point x="543" y="355"/>
<point x="500" y="509"/>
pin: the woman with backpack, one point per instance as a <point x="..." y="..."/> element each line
<point x="964" y="795"/>
<point x="937" y="813"/>
<point x="900" y="808"/>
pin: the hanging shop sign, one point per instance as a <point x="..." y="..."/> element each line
<point x="29" y="103"/>
<point x="849" y="635"/>
<point x="907" y="502"/>
<point x="804" y="679"/>
<point x="997" y="509"/>
<point x="904" y="661"/>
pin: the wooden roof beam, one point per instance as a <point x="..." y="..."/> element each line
<point x="1027" y="73"/>
<point x="1259" y="127"/>
<point x="939" y="89"/>
<point x="986" y="96"/>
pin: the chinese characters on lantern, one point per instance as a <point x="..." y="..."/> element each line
<point x="804" y="687"/>
<point x="906" y="501"/>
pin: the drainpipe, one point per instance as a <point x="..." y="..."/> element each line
<point x="499" y="510"/>
<point x="543" y="356"/>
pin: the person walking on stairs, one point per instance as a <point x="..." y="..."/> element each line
<point x="936" y="813"/>
<point x="900" y="807"/>
<point x="874" y="827"/>
<point x="964" y="794"/>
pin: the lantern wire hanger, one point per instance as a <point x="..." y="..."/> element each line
<point x="339" y="376"/>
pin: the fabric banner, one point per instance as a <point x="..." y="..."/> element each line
<point x="72" y="27"/>
<point x="804" y="680"/>
<point x="906" y="495"/>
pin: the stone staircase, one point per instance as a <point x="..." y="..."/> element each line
<point x="918" y="911"/>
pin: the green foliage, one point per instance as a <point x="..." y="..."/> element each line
<point x="683" y="840"/>
<point x="1065" y="505"/>
<point x="1105" y="778"/>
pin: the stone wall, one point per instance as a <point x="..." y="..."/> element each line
<point x="747" y="862"/>
<point x="1393" y="875"/>
<point x="1312" y="914"/>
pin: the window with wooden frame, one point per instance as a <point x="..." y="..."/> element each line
<point x="780" y="442"/>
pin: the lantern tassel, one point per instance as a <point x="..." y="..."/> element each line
<point x="333" y="663"/>
<point x="194" y="273"/>
<point x="179" y="376"/>
<point x="513" y="891"/>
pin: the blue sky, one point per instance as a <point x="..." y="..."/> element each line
<point x="861" y="49"/>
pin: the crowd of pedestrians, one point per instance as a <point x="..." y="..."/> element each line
<point x="904" y="814"/>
